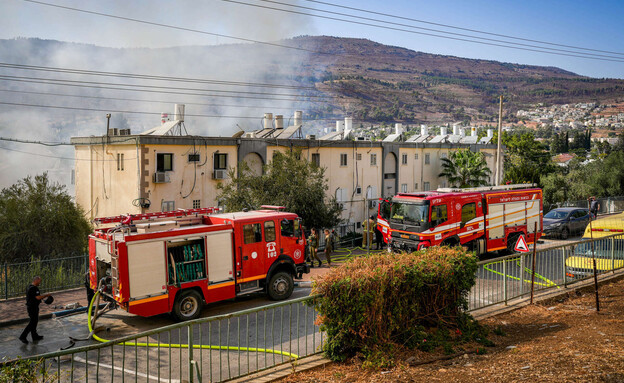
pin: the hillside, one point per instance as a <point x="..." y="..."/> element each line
<point x="385" y="83"/>
<point x="370" y="81"/>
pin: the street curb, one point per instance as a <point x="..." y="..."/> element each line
<point x="303" y="284"/>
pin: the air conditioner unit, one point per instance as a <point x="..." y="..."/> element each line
<point x="219" y="174"/>
<point x="372" y="204"/>
<point x="161" y="177"/>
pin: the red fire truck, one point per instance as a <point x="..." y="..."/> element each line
<point x="484" y="219"/>
<point x="173" y="262"/>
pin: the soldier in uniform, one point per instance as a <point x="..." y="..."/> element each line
<point x="313" y="245"/>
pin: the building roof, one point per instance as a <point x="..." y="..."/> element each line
<point x="563" y="158"/>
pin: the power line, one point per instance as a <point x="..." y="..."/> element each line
<point x="151" y="77"/>
<point x="136" y="112"/>
<point x="421" y="28"/>
<point x="63" y="158"/>
<point x="138" y="100"/>
<point x="580" y="55"/>
<point x="140" y="86"/>
<point x="83" y="84"/>
<point x="34" y="142"/>
<point x="170" y="26"/>
<point x="460" y="28"/>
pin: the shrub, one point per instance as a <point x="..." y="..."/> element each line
<point x="417" y="300"/>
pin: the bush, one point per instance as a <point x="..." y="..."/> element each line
<point x="418" y="300"/>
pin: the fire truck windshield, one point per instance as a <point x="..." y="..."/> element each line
<point x="410" y="213"/>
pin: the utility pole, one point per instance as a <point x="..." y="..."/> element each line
<point x="499" y="162"/>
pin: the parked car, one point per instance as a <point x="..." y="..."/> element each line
<point x="562" y="222"/>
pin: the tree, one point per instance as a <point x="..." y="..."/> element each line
<point x="39" y="219"/>
<point x="526" y="159"/>
<point x="288" y="181"/>
<point x="464" y="168"/>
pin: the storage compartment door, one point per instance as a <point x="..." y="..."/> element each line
<point x="495" y="222"/>
<point x="220" y="257"/>
<point x="146" y="269"/>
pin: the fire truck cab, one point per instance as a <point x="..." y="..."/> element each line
<point x="484" y="219"/>
<point x="174" y="262"/>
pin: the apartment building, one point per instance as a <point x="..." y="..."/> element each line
<point x="155" y="171"/>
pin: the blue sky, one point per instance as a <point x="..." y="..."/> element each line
<point x="590" y="24"/>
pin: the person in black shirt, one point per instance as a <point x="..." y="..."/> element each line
<point x="33" y="299"/>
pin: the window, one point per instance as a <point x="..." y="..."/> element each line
<point x="426" y="186"/>
<point x="442" y="155"/>
<point x="290" y="228"/>
<point x="438" y="215"/>
<point x="220" y="161"/>
<point x="196" y="204"/>
<point x="416" y="186"/>
<point x="343" y="159"/>
<point x="168" y="206"/>
<point x="442" y="185"/>
<point x="269" y="231"/>
<point x="469" y="212"/>
<point x="164" y="162"/>
<point x="358" y="190"/>
<point x="404" y="159"/>
<point x="252" y="233"/>
<point x="416" y="156"/>
<point x="120" y="161"/>
<point x="427" y="159"/>
<point x="316" y="159"/>
<point x="193" y="157"/>
<point x="358" y="156"/>
<point x="403" y="188"/>
<point x="373" y="158"/>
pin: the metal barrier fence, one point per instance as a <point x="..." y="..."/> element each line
<point x="56" y="274"/>
<point x="211" y="349"/>
<point x="502" y="279"/>
<point x="229" y="346"/>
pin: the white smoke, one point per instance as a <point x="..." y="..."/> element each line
<point x="102" y="44"/>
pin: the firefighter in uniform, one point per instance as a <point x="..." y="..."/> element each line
<point x="33" y="299"/>
<point x="368" y="231"/>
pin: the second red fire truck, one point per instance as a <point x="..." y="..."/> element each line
<point x="174" y="262"/>
<point x="484" y="219"/>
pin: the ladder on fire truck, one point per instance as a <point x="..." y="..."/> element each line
<point x="156" y="216"/>
<point x="487" y="188"/>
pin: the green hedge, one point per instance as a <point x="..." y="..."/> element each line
<point x="374" y="303"/>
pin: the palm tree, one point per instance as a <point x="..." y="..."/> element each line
<point x="464" y="168"/>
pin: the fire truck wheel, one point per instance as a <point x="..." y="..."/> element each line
<point x="281" y="286"/>
<point x="511" y="243"/>
<point x="187" y="305"/>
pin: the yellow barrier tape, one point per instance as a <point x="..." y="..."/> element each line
<point x="195" y="346"/>
<point x="548" y="283"/>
